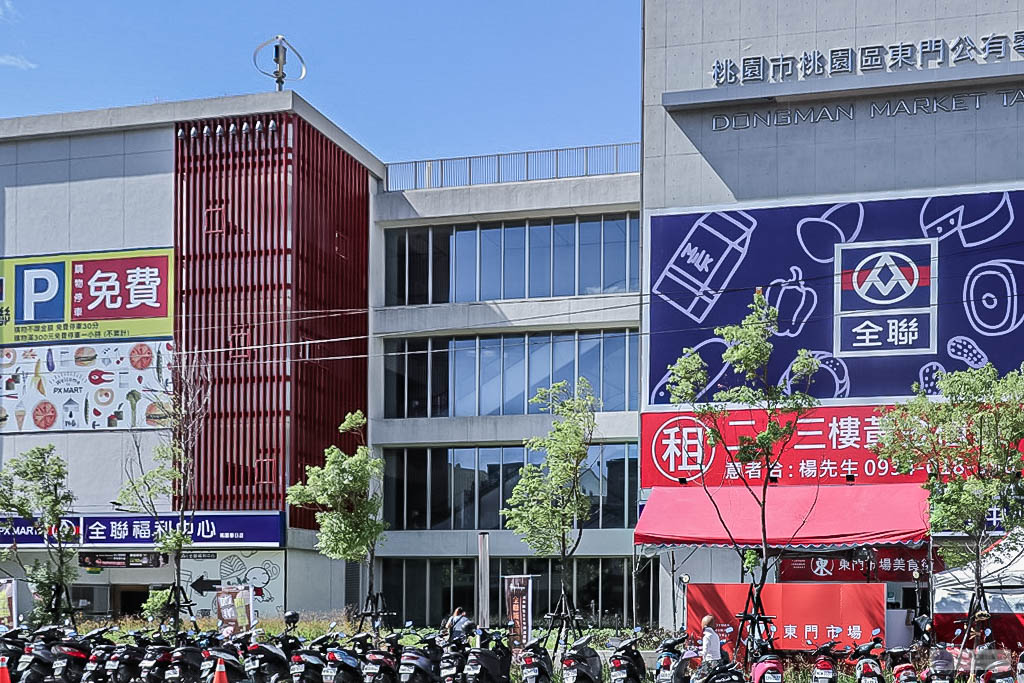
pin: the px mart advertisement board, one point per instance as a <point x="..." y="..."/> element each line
<point x="848" y="612"/>
<point x="86" y="297"/>
<point x="884" y="293"/>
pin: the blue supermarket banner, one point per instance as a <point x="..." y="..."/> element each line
<point x="884" y="293"/>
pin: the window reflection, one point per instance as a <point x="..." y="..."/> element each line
<point x="489" y="466"/>
<point x="513" y="369"/>
<point x="490" y="375"/>
<point x="539" y="258"/>
<point x="591" y="485"/>
<point x="463" y="488"/>
<point x="463" y="378"/>
<point x="539" y="367"/>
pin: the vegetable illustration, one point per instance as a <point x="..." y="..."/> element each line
<point x="159" y="367"/>
<point x="133" y="397"/>
<point x="794" y="300"/>
<point x="37" y="378"/>
<point x="50" y="365"/>
<point x="85" y="411"/>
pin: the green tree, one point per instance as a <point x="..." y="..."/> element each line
<point x="345" y="492"/>
<point x="968" y="444"/>
<point x="548" y="506"/>
<point x="165" y="475"/>
<point x="749" y="352"/>
<point x="34" y="486"/>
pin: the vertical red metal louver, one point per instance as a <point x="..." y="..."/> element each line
<point x="271" y="229"/>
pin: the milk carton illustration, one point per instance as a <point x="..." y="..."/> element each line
<point x="704" y="263"/>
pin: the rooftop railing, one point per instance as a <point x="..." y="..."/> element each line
<point x="514" y="167"/>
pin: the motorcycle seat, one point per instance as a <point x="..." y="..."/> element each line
<point x="768" y="658"/>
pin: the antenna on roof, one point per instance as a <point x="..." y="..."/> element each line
<point x="281" y="46"/>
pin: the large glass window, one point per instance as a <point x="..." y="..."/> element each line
<point x="614" y="254"/>
<point x="394" y="267"/>
<point x="441" y="274"/>
<point x="539" y="362"/>
<point x="425" y="592"/>
<point x="540" y="258"/>
<point x="469" y="376"/>
<point x="440" y="481"/>
<point x="464" y="377"/>
<point x="463" y="488"/>
<point x="513" y="370"/>
<point x="419" y="266"/>
<point x="515" y="261"/>
<point x="490" y="262"/>
<point x="543" y="257"/>
<point x="416" y="367"/>
<point x="466" y="488"/>
<point x="464" y="262"/>
<point x="563" y="236"/>
<point x="489" y="466"/>
<point x="416" y="488"/>
<point x="590" y="256"/>
<point x="490" y="375"/>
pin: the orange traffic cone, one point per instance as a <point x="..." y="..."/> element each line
<point x="220" y="676"/>
<point x="5" y="675"/>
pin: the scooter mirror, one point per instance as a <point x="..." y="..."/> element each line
<point x="774" y="628"/>
<point x="408" y="624"/>
<point x="637" y="629"/>
<point x="958" y="632"/>
<point x="808" y="641"/>
<point x="479" y="632"/>
<point x="729" y="629"/>
<point x="988" y="632"/>
<point x="330" y="626"/>
<point x="510" y="624"/>
<point x="876" y="631"/>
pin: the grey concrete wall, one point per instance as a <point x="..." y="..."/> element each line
<point x="90" y="192"/>
<point x="540" y="198"/>
<point x="595" y="542"/>
<point x="315" y="584"/>
<point x="686" y="164"/>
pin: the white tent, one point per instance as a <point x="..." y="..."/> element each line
<point x="1002" y="577"/>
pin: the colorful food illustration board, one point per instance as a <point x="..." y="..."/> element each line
<point x="85" y="387"/>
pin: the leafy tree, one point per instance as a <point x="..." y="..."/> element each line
<point x="749" y="352"/>
<point x="345" y="492"/>
<point x="968" y="444"/>
<point x="155" y="478"/>
<point x="34" y="486"/>
<point x="548" y="506"/>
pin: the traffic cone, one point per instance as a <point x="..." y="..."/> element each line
<point x="219" y="676"/>
<point x="5" y="675"/>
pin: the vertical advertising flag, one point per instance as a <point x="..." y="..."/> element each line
<point x="519" y="606"/>
<point x="234" y="609"/>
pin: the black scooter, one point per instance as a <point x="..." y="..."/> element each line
<point x="626" y="662"/>
<point x="71" y="655"/>
<point x="536" y="662"/>
<point x="382" y="665"/>
<point x="491" y="662"/>
<point x="345" y="665"/>
<point x="270" y="661"/>
<point x="453" y="661"/>
<point x="308" y="661"/>
<point x="673" y="664"/>
<point x="581" y="663"/>
<point x="12" y="646"/>
<point x="36" y="664"/>
<point x="421" y="663"/>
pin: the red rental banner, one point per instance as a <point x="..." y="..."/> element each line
<point x="885" y="564"/>
<point x="832" y="446"/>
<point x="848" y="612"/>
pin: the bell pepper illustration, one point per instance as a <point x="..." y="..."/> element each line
<point x="794" y="301"/>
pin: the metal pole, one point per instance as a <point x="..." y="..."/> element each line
<point x="483" y="609"/>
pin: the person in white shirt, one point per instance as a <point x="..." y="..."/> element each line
<point x="710" y="647"/>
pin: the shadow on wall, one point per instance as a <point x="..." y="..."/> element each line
<point x="786" y="149"/>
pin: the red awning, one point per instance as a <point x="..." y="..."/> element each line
<point x="803" y="516"/>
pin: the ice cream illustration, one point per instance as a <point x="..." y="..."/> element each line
<point x="19" y="414"/>
<point x="977" y="219"/>
<point x="704" y="262"/>
<point x="992" y="296"/>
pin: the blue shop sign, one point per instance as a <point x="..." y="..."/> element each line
<point x="22" y="532"/>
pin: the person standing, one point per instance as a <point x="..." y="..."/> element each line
<point x="710" y="647"/>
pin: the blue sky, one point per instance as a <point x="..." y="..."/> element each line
<point x="408" y="79"/>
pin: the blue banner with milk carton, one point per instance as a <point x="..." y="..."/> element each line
<point x="884" y="293"/>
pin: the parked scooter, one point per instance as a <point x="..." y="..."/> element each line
<point x="491" y="662"/>
<point x="826" y="662"/>
<point x="453" y="661"/>
<point x="767" y="667"/>
<point x="12" y="646"/>
<point x="270" y="661"/>
<point x="901" y="664"/>
<point x="536" y="662"/>
<point x="581" y="663"/>
<point x="382" y="665"/>
<point x="345" y="665"/>
<point x="308" y="662"/>
<point x="36" y="664"/>
<point x="626" y="662"/>
<point x="867" y="668"/>
<point x="71" y="654"/>
<point x="421" y="663"/>
<point x="673" y="664"/>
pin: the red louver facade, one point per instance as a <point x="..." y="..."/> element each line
<point x="271" y="229"/>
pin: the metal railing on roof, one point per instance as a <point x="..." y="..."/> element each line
<point x="514" y="167"/>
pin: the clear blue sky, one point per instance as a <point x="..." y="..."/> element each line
<point x="407" y="78"/>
